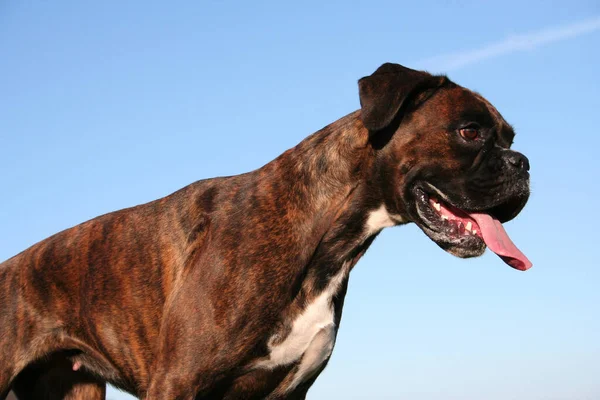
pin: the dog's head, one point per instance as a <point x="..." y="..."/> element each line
<point x="444" y="160"/>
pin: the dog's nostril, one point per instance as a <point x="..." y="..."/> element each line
<point x="519" y="160"/>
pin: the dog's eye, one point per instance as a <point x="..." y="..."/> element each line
<point x="469" y="133"/>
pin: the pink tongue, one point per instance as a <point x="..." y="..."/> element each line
<point x="497" y="240"/>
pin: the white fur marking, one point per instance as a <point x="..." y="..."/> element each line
<point x="318" y="351"/>
<point x="379" y="219"/>
<point x="312" y="336"/>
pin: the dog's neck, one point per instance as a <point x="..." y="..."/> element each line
<point x="310" y="211"/>
<point x="325" y="165"/>
<point x="327" y="179"/>
<point x="336" y="215"/>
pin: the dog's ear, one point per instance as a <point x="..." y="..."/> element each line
<point x="383" y="93"/>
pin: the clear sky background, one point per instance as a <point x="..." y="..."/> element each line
<point x="108" y="104"/>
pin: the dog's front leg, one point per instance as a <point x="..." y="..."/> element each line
<point x="190" y="365"/>
<point x="166" y="385"/>
<point x="180" y="371"/>
<point x="198" y="345"/>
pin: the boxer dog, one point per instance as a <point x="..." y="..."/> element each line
<point x="233" y="288"/>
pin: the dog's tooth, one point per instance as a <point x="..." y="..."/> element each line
<point x="437" y="206"/>
<point x="445" y="218"/>
<point x="469" y="226"/>
<point x="474" y="231"/>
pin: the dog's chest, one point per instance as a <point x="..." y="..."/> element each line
<point x="311" y="338"/>
<point x="309" y="343"/>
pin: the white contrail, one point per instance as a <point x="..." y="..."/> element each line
<point x="528" y="41"/>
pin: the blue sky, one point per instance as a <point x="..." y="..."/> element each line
<point x="106" y="104"/>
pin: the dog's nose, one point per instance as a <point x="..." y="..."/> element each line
<point x="518" y="160"/>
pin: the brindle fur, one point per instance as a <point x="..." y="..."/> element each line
<point x="177" y="298"/>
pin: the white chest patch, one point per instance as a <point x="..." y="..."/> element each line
<point x="379" y="219"/>
<point x="313" y="333"/>
<point x="312" y="337"/>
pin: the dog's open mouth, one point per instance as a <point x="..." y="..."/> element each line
<point x="466" y="233"/>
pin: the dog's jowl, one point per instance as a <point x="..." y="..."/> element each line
<point x="233" y="288"/>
